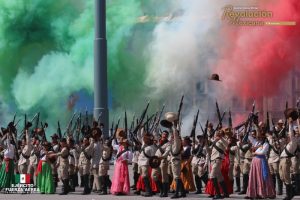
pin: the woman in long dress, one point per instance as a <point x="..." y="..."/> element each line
<point x="260" y="184"/>
<point x="120" y="181"/>
<point x="7" y="169"/>
<point x="44" y="172"/>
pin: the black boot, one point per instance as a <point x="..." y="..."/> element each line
<point x="91" y="181"/>
<point x="31" y="181"/>
<point x="198" y="185"/>
<point x="86" y="189"/>
<point x="280" y="185"/>
<point x="136" y="176"/>
<point x="165" y="189"/>
<point x="103" y="185"/>
<point x="204" y="178"/>
<point x="178" y="188"/>
<point x="160" y="187"/>
<point x="274" y="181"/>
<point x="216" y="186"/>
<point x="148" y="190"/>
<point x="297" y="181"/>
<point x="101" y="182"/>
<point x="55" y="180"/>
<point x="182" y="190"/>
<point x="65" y="188"/>
<point x="170" y="177"/>
<point x="108" y="181"/>
<point x="245" y="183"/>
<point x="81" y="181"/>
<point x="72" y="183"/>
<point x="289" y="192"/>
<point x="238" y="184"/>
<point x="224" y="188"/>
<point x="75" y="180"/>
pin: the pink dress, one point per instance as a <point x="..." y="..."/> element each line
<point x="120" y="181"/>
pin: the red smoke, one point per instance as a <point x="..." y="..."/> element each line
<point x="254" y="60"/>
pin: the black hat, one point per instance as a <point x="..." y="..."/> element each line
<point x="215" y="77"/>
<point x="291" y="112"/>
<point x="188" y="139"/>
<point x="63" y="140"/>
<point x="54" y="136"/>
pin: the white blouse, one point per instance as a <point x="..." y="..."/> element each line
<point x="10" y="150"/>
<point x="262" y="149"/>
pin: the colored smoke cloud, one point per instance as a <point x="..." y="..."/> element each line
<point x="46" y="54"/>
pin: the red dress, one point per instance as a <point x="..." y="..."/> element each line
<point x="210" y="189"/>
<point x="140" y="186"/>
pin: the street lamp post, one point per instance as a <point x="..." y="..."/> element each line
<point x="100" y="65"/>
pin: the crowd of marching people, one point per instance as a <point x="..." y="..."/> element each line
<point x="253" y="159"/>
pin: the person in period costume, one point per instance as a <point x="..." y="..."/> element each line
<point x="186" y="169"/>
<point x="246" y="159"/>
<point x="217" y="161"/>
<point x="199" y="163"/>
<point x="73" y="164"/>
<point x="285" y="160"/>
<point x="94" y="177"/>
<point x="55" y="147"/>
<point x="106" y="156"/>
<point x="175" y="158"/>
<point x="236" y="149"/>
<point x="295" y="168"/>
<point x="275" y="148"/>
<point x="44" y="179"/>
<point x="135" y="166"/>
<point x="147" y="151"/>
<point x="260" y="182"/>
<point x="120" y="180"/>
<point x="7" y="169"/>
<point x="63" y="157"/>
<point x="232" y="151"/>
<point x="162" y="152"/>
<point x="26" y="148"/>
<point x="84" y="163"/>
<point x="34" y="158"/>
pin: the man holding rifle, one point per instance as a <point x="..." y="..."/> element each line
<point x="26" y="148"/>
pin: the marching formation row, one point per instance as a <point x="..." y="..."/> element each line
<point x="162" y="162"/>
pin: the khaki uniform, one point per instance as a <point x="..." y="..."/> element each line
<point x="175" y="152"/>
<point x="33" y="162"/>
<point x="200" y="162"/>
<point x="104" y="161"/>
<point x="135" y="166"/>
<point x="143" y="161"/>
<point x="285" y="159"/>
<point x="54" y="165"/>
<point x="162" y="152"/>
<point x="274" y="155"/>
<point x="73" y="161"/>
<point x="24" y="156"/>
<point x="64" y="163"/>
<point x="237" y="160"/>
<point x="232" y="156"/>
<point x="248" y="158"/>
<point x="95" y="164"/>
<point x="85" y="157"/>
<point x="296" y="159"/>
<point x="217" y="155"/>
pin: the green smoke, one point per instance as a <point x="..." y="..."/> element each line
<point x="46" y="54"/>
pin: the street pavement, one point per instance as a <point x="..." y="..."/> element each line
<point x="93" y="196"/>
